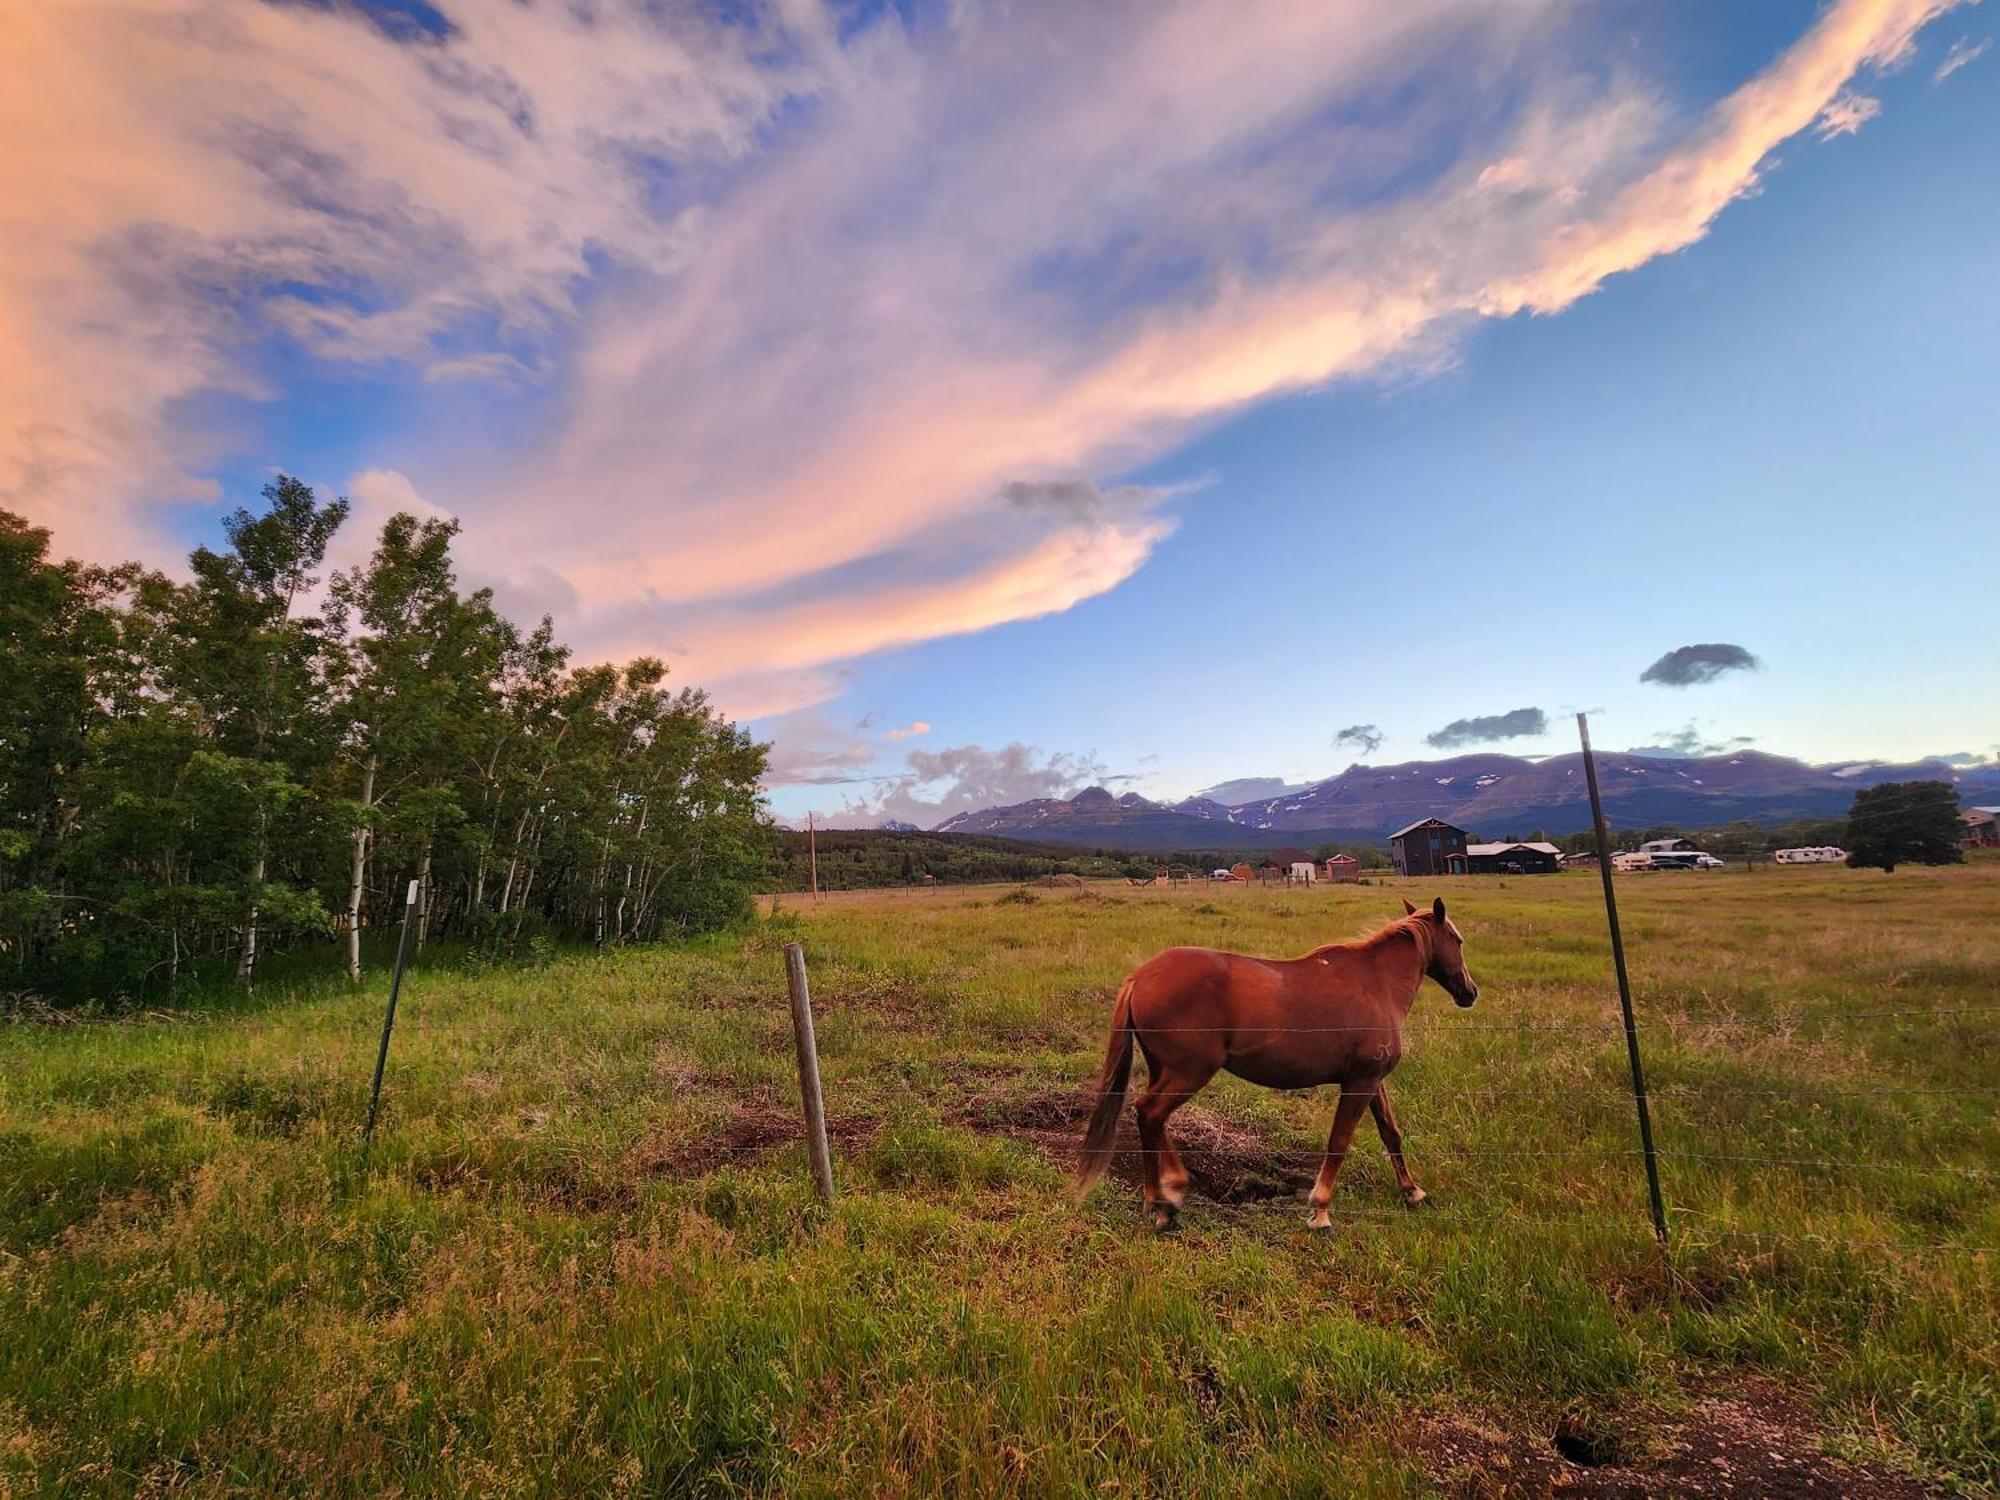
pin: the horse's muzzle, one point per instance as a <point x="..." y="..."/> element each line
<point x="1466" y="997"/>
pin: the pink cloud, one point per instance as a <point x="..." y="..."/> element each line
<point x="891" y="276"/>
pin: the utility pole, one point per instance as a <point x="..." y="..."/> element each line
<point x="812" y="849"/>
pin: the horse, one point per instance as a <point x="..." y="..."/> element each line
<point x="1334" y="1015"/>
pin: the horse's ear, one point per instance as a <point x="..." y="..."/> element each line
<point x="1437" y="911"/>
<point x="1408" y="910"/>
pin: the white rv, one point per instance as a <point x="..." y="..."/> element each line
<point x="1816" y="854"/>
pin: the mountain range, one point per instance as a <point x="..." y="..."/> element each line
<point x="1495" y="796"/>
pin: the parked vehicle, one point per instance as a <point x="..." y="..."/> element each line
<point x="1816" y="854"/>
<point x="1676" y="854"/>
<point x="1666" y="854"/>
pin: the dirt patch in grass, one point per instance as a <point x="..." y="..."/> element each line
<point x="750" y="1132"/>
<point x="1226" y="1162"/>
<point x="1754" y="1439"/>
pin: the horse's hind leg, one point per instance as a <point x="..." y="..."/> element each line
<point x="1166" y="1178"/>
<point x="1392" y="1142"/>
<point x="1346" y="1115"/>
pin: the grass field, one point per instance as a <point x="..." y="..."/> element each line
<point x="584" y="1256"/>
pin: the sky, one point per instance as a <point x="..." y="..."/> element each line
<point x="985" y="399"/>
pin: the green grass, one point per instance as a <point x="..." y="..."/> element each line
<point x="552" y="1274"/>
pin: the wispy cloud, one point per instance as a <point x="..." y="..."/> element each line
<point x="1691" y="666"/>
<point x="939" y="784"/>
<point x="1249" y="789"/>
<point x="1963" y="52"/>
<point x="839" y="323"/>
<point x="1515" y="724"/>
<point x="1689" y="742"/>
<point x="1845" y="115"/>
<point x="810" y="749"/>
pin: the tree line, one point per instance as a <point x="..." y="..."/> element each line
<point x="197" y="773"/>
<point x="868" y="858"/>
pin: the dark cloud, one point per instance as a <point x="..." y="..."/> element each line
<point x="1519" y="723"/>
<point x="1364" y="739"/>
<point x="1690" y="666"/>
<point x="1688" y="742"/>
<point x="1077" y="498"/>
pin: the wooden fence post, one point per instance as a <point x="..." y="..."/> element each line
<point x="802" y="1036"/>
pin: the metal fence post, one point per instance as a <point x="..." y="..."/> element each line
<point x="1624" y="994"/>
<point x="389" y="1017"/>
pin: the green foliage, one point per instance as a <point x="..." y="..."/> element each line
<point x="1904" y="823"/>
<point x="195" y="776"/>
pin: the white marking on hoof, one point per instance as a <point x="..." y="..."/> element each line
<point x="1416" y="1197"/>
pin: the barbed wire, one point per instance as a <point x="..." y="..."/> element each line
<point x="1412" y="1086"/>
<point x="1344" y="1210"/>
<point x="1838" y="1163"/>
<point x="1289" y="1155"/>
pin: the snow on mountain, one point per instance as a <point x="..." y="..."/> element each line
<point x="1491" y="794"/>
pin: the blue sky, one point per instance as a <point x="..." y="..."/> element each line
<point x="1784" y="436"/>
<point x="991" y="400"/>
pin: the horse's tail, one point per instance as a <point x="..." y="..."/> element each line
<point x="1111" y="1081"/>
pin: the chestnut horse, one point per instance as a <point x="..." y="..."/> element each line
<point x="1333" y="1016"/>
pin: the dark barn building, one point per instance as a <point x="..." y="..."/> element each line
<point x="1429" y="847"/>
<point x="1513" y="859"/>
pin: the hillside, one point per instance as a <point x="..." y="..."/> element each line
<point x="1098" y="819"/>
<point x="1495" y="795"/>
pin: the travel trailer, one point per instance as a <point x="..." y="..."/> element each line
<point x="1818" y="854"/>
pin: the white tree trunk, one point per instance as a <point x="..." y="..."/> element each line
<point x="246" y="963"/>
<point x="359" y="874"/>
<point x="423" y="912"/>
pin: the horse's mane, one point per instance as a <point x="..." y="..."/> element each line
<point x="1389" y="933"/>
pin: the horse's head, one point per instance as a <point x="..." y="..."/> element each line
<point x="1447" y="965"/>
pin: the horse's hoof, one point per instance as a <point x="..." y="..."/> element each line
<point x="1417" y="1198"/>
<point x="1166" y="1220"/>
<point x="1320" y="1224"/>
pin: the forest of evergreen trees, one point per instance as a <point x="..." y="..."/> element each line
<point x="195" y="775"/>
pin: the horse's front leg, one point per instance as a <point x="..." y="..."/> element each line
<point x="1354" y="1099"/>
<point x="1392" y="1142"/>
